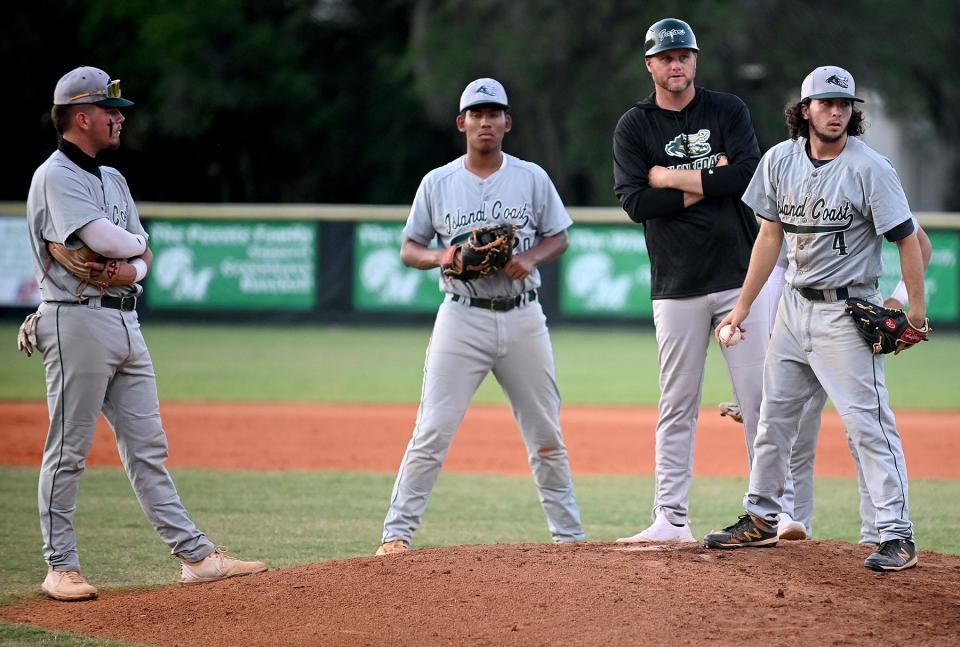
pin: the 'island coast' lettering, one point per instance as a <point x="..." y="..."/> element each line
<point x="499" y="212"/>
<point x="798" y="211"/>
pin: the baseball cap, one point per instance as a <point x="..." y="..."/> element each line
<point x="483" y="91"/>
<point x="87" y="84"/>
<point x="829" y="82"/>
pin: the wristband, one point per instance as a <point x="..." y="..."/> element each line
<point x="141" y="266"/>
<point x="900" y="293"/>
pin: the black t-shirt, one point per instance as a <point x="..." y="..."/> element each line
<point x="706" y="247"/>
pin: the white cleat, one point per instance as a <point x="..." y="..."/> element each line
<point x="790" y="530"/>
<point x="660" y="531"/>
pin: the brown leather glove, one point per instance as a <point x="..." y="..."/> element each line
<point x="92" y="268"/>
<point x="486" y="251"/>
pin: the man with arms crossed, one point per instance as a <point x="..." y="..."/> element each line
<point x="94" y="354"/>
<point x="682" y="157"/>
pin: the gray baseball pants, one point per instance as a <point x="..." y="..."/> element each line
<point x="816" y="344"/>
<point x="97" y="360"/>
<point x="467" y="343"/>
<point x="684" y="329"/>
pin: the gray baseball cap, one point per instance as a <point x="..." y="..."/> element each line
<point x="829" y="82"/>
<point x="483" y="92"/>
<point x="88" y="84"/>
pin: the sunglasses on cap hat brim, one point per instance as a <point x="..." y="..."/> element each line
<point x="111" y="93"/>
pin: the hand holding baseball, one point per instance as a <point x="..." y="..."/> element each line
<point x="729" y="335"/>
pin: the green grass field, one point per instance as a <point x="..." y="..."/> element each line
<point x="291" y="518"/>
<point x="333" y="364"/>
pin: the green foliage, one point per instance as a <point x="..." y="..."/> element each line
<point x="595" y="366"/>
<point x="352" y="101"/>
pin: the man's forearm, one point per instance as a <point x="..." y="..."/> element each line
<point x="107" y="239"/>
<point x="686" y="180"/>
<point x="763" y="258"/>
<point x="548" y="249"/>
<point x="911" y="270"/>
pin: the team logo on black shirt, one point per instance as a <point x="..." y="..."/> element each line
<point x="695" y="145"/>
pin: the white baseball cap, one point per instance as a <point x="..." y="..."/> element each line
<point x="829" y="82"/>
<point x="482" y="92"/>
<point x="87" y="84"/>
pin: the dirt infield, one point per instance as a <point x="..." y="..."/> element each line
<point x="800" y="593"/>
<point x="589" y="594"/>
<point x="614" y="440"/>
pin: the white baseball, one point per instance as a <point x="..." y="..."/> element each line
<point x="730" y="336"/>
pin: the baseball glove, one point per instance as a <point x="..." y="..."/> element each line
<point x="27" y="335"/>
<point x="75" y="261"/>
<point x="885" y="330"/>
<point x="487" y="250"/>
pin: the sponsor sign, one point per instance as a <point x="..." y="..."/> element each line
<point x="381" y="282"/>
<point x="232" y="265"/>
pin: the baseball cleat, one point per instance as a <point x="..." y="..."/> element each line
<point x="392" y="548"/>
<point x="731" y="409"/>
<point x="217" y="566"/>
<point x="893" y="555"/>
<point x="748" y="532"/>
<point x="661" y="530"/>
<point x="68" y="586"/>
<point x="789" y="529"/>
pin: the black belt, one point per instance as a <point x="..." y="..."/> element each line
<point x="842" y="294"/>
<point x="115" y="303"/>
<point x="823" y="295"/>
<point x="499" y="305"/>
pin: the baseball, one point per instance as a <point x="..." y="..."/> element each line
<point x="730" y="336"/>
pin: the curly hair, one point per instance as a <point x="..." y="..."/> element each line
<point x="800" y="127"/>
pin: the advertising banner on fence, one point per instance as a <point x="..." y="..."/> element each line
<point x="381" y="282"/>
<point x="605" y="271"/>
<point x="940" y="281"/>
<point x="232" y="265"/>
<point x="18" y="287"/>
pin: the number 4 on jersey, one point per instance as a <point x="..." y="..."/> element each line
<point x="839" y="244"/>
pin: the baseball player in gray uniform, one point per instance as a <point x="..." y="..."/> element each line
<point x="494" y="323"/>
<point x="93" y="351"/>
<point x="831" y="197"/>
<point x="804" y="450"/>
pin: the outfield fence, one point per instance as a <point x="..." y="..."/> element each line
<point x="341" y="264"/>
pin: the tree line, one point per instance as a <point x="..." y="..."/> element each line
<point x="352" y="101"/>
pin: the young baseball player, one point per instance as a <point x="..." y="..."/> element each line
<point x="87" y="329"/>
<point x="682" y="157"/>
<point x="832" y="198"/>
<point x="796" y="519"/>
<point x="493" y="323"/>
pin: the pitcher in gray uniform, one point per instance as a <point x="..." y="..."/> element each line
<point x="833" y="199"/>
<point x="493" y="323"/>
<point x="93" y="351"/>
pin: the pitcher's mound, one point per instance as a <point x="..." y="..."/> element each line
<point x="814" y="592"/>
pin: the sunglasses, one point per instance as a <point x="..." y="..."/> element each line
<point x="112" y="91"/>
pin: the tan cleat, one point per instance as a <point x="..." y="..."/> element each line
<point x="68" y="586"/>
<point x="217" y="566"/>
<point x="392" y="548"/>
